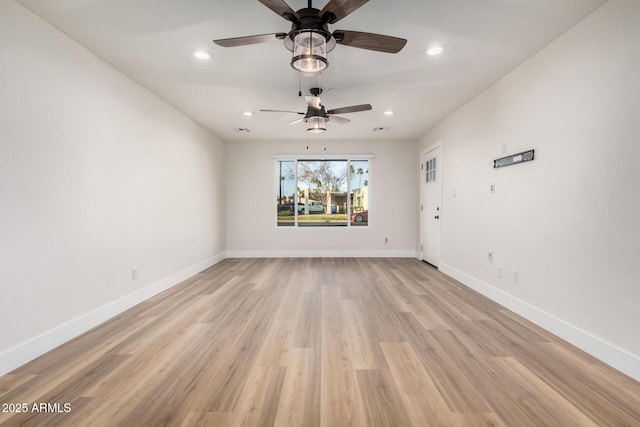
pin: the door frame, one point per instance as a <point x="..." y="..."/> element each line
<point x="421" y="191"/>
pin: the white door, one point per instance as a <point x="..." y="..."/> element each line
<point x="430" y="213"/>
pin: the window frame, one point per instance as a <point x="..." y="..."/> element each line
<point x="309" y="157"/>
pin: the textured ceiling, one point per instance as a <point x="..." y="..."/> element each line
<point x="152" y="41"/>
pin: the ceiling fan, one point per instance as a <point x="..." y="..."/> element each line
<point x="309" y="38"/>
<point x="316" y="115"/>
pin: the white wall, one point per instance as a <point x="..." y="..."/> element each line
<point x="568" y="222"/>
<point x="97" y="175"/>
<point x="251" y="209"/>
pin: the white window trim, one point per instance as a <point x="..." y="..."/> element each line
<point x="324" y="157"/>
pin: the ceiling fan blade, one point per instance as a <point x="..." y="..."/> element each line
<point x="296" y="121"/>
<point x="282" y="111"/>
<point x="351" y="109"/>
<point x="339" y="119"/>
<point x="313" y="102"/>
<point x="247" y="40"/>
<point x="369" y="41"/>
<point x="282" y="9"/>
<point x="338" y="9"/>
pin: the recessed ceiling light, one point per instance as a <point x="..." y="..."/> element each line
<point x="388" y="113"/>
<point x="201" y="54"/>
<point x="248" y="113"/>
<point x="435" y="50"/>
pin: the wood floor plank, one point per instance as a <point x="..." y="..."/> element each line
<point x="320" y="342"/>
<point x="464" y="310"/>
<point x="282" y="329"/>
<point x="340" y="396"/>
<point x="59" y="369"/>
<point x="382" y="402"/>
<point x="125" y="392"/>
<point x="407" y="278"/>
<point x="447" y="368"/>
<point x="307" y="333"/>
<point x="300" y="396"/>
<point x="420" y="395"/>
<point x="548" y="401"/>
<point x="69" y="391"/>
<point x="258" y="403"/>
<point x="600" y="392"/>
<point x="11" y="382"/>
<point x="208" y="419"/>
<point x="361" y="349"/>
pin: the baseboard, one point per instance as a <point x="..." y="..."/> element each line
<point x="29" y="350"/>
<point x="348" y="253"/>
<point x="618" y="358"/>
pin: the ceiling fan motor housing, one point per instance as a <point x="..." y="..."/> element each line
<point x="310" y="20"/>
<point x="312" y="112"/>
<point x="310" y="41"/>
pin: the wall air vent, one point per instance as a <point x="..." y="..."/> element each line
<point x="514" y="159"/>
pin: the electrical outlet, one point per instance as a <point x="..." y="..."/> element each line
<point x="135" y="273"/>
<point x="499" y="272"/>
<point x="490" y="257"/>
<point x="386" y="240"/>
<point x="514" y="276"/>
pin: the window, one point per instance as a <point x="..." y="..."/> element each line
<point x="430" y="169"/>
<point x="286" y="193"/>
<point x="322" y="192"/>
<point x="329" y="193"/>
<point x="359" y="179"/>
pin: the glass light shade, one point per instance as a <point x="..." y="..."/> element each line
<point x="316" y="124"/>
<point x="309" y="52"/>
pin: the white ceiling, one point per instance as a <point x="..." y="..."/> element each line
<point x="152" y="41"/>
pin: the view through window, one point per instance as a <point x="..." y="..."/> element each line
<point x="315" y="193"/>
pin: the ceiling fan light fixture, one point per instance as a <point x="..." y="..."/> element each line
<point x="309" y="52"/>
<point x="316" y="124"/>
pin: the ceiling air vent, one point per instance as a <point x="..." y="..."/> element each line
<point x="246" y="130"/>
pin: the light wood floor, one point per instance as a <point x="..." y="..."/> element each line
<point x="320" y="342"/>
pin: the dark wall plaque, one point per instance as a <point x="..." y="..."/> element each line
<point x="514" y="159"/>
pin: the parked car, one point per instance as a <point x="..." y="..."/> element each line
<point x="313" y="207"/>
<point x="285" y="207"/>
<point x="360" y="216"/>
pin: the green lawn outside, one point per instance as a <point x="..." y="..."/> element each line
<point x="313" y="217"/>
<point x="319" y="217"/>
